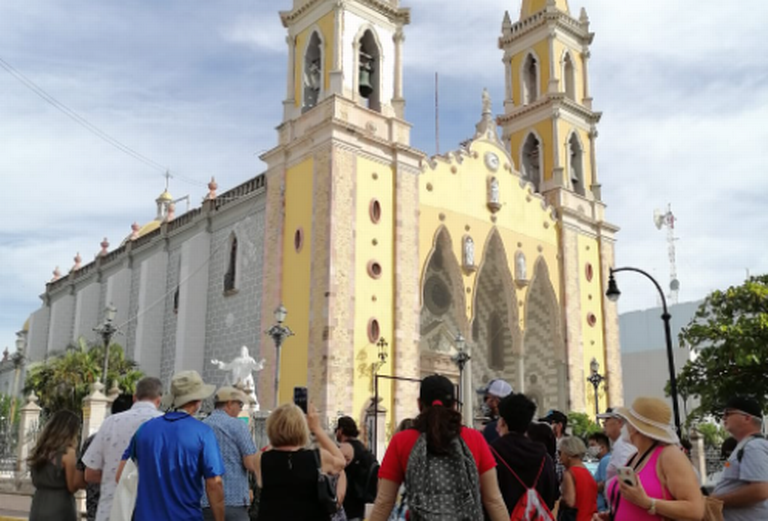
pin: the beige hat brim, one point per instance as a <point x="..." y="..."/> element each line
<point x="651" y="431"/>
<point x="205" y="391"/>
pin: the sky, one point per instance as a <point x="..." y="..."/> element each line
<point x="197" y="87"/>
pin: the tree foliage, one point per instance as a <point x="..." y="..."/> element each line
<point x="6" y="406"/>
<point x="64" y="379"/>
<point x="713" y="434"/>
<point x="729" y="338"/>
<point x="582" y="425"/>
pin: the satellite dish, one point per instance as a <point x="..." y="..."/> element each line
<point x="674" y="285"/>
<point x="658" y="218"/>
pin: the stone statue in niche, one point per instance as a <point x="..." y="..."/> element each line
<point x="469" y="252"/>
<point x="242" y="369"/>
<point x="494" y="197"/>
<point x="521" y="271"/>
<point x="312" y="83"/>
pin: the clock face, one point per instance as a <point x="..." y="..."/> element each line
<point x="492" y="161"/>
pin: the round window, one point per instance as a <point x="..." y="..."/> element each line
<point x="375" y="211"/>
<point x="589" y="272"/>
<point x="437" y="295"/>
<point x="591" y="319"/>
<point x="373" y="330"/>
<point x="374" y="269"/>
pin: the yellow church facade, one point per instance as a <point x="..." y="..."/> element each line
<point x="383" y="255"/>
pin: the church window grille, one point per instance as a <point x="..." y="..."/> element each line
<point x="313" y="72"/>
<point x="576" y="165"/>
<point x="231" y="274"/>
<point x="531" y="161"/>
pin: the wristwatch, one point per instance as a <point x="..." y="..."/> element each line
<point x="652" y="509"/>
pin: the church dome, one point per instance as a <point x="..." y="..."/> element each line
<point x="165" y="196"/>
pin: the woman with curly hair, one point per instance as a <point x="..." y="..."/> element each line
<point x="53" y="465"/>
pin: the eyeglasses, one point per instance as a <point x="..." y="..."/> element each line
<point x="241" y="405"/>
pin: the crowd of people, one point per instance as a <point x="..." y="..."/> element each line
<point x="143" y="464"/>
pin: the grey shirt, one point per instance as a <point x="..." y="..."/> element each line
<point x="753" y="468"/>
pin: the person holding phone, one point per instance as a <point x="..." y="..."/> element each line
<point x="287" y="472"/>
<point x="658" y="481"/>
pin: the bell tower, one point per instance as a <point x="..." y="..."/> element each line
<point x="341" y="212"/>
<point x="351" y="49"/>
<point x="550" y="128"/>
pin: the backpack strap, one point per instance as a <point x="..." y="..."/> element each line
<point x="515" y="473"/>
<point x="740" y="454"/>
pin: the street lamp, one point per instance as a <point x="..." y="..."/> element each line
<point x="460" y="359"/>
<point x="613" y="295"/>
<point x="107" y="330"/>
<point x="595" y="378"/>
<point x="279" y="333"/>
<point x="18" y="361"/>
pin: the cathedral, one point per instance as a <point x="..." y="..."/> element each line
<point x="388" y="261"/>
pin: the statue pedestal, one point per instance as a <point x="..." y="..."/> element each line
<point x="94" y="410"/>
<point x="28" y="426"/>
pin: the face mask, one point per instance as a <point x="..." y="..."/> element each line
<point x="625" y="436"/>
<point x="593" y="451"/>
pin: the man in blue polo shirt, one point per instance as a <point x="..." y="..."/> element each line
<point x="237" y="450"/>
<point x="174" y="454"/>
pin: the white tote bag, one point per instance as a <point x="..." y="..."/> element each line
<point x="125" y="494"/>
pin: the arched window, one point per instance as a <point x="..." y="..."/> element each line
<point x="530" y="79"/>
<point x="531" y="161"/>
<point x="576" y="162"/>
<point x="495" y="343"/>
<point x="569" y="77"/>
<point x="313" y="72"/>
<point x="369" y="71"/>
<point x="231" y="275"/>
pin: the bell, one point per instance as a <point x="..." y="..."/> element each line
<point x="366" y="69"/>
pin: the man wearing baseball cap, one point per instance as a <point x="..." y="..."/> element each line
<point x="237" y="450"/>
<point x="558" y="422"/>
<point x="175" y="453"/>
<point x="621" y="450"/>
<point x="743" y="487"/>
<point x="492" y="395"/>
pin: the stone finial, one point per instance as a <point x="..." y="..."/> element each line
<point x="32" y="398"/>
<point x="486" y="128"/>
<point x="583" y="18"/>
<point x="78" y="262"/>
<point x="506" y="25"/>
<point x="56" y="274"/>
<point x="104" y="247"/>
<point x="212" y="186"/>
<point x="171" y="212"/>
<point x="135" y="227"/>
<point x="6" y="355"/>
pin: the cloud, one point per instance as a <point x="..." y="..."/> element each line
<point x="199" y="87"/>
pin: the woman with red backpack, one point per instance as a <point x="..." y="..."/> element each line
<point x="448" y="469"/>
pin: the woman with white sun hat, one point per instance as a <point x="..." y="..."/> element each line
<point x="665" y="485"/>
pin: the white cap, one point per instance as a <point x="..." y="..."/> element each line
<point x="498" y="388"/>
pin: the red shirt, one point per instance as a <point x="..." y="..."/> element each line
<point x="399" y="450"/>
<point x="586" y="493"/>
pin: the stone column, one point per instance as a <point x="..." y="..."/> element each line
<point x="290" y="97"/>
<point x="398" y="102"/>
<point x="467" y="393"/>
<point x="554" y="83"/>
<point x="613" y="368"/>
<point x="585" y="55"/>
<point x="28" y="424"/>
<point x="596" y="186"/>
<point x="337" y="70"/>
<point x="698" y="453"/>
<point x="94" y="410"/>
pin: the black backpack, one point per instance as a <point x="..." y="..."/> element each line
<point x="366" y="473"/>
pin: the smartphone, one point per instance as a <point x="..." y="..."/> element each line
<point x="300" y="398"/>
<point x="627" y="475"/>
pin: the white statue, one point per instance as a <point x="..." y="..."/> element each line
<point x="242" y="369"/>
<point x="520" y="268"/>
<point x="493" y="191"/>
<point x="469" y="251"/>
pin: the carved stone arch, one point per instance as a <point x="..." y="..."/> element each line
<point x="575" y="151"/>
<point x="315" y="44"/>
<point x="544" y="353"/>
<point x="443" y="305"/>
<point x="495" y="302"/>
<point x="358" y="43"/>
<point x="568" y="74"/>
<point x="530" y="78"/>
<point x="532" y="168"/>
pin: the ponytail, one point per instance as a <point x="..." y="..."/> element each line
<point x="441" y="423"/>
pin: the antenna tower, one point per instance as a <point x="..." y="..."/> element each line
<point x="661" y="219"/>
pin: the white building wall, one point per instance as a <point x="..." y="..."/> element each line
<point x="147" y="350"/>
<point x="37" y="338"/>
<point x="62" y="318"/>
<point x="87" y="311"/>
<point x="193" y="304"/>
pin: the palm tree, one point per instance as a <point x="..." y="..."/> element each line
<point x="65" y="378"/>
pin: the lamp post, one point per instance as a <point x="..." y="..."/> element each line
<point x="279" y="333"/>
<point x="18" y="361"/>
<point x="461" y="358"/>
<point x="107" y="330"/>
<point x="595" y="378"/>
<point x="613" y="295"/>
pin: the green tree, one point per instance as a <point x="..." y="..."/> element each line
<point x="64" y="379"/>
<point x="582" y="425"/>
<point x="729" y="334"/>
<point x="713" y="434"/>
<point x="6" y="405"/>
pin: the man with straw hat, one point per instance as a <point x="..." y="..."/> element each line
<point x="744" y="485"/>
<point x="174" y="454"/>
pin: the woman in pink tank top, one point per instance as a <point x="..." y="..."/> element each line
<point x="666" y="485"/>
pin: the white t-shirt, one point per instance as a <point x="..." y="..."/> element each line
<point x="620" y="455"/>
<point x="107" y="449"/>
<point x="752" y="469"/>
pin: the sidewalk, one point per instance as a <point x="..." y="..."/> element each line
<point x="14" y="507"/>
